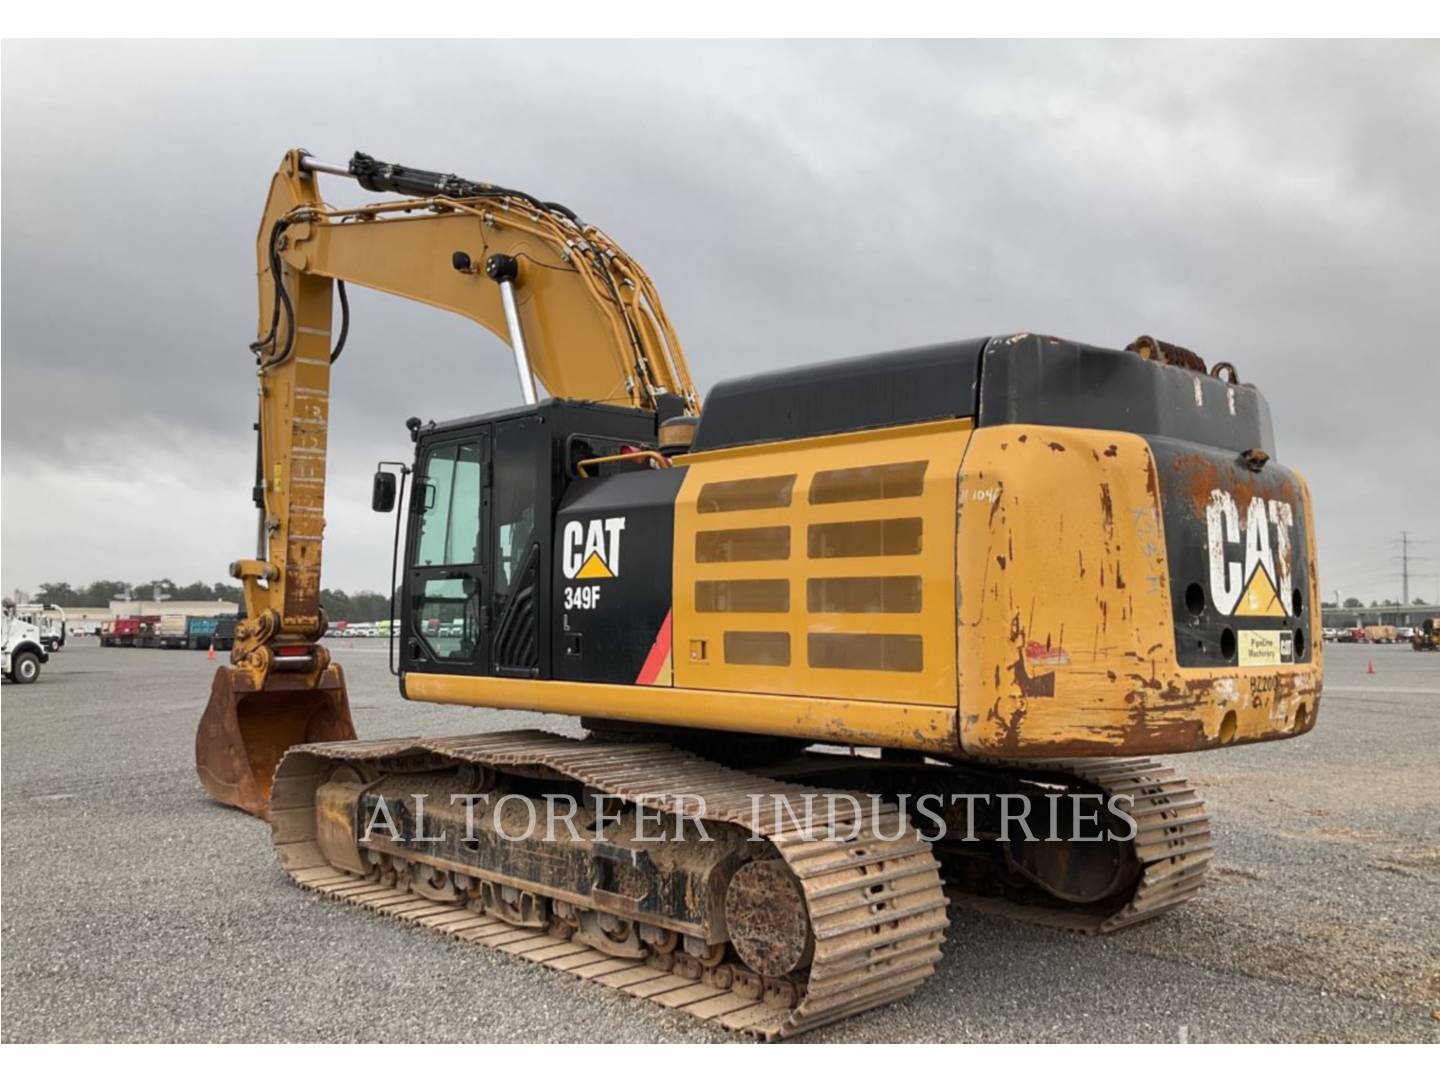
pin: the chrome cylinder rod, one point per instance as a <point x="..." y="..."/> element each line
<point x="310" y="164"/>
<point x="502" y="269"/>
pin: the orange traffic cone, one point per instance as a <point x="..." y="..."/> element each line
<point x="1370" y="668"/>
<point x="211" y="654"/>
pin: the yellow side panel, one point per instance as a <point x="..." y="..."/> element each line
<point x="821" y="567"/>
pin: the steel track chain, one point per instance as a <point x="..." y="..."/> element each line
<point x="877" y="907"/>
<point x="1173" y="842"/>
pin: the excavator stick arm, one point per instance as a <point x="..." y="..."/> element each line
<point x="581" y="316"/>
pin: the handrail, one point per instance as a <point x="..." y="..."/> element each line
<point x="658" y="459"/>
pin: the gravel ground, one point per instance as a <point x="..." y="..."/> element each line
<point x="136" y="910"/>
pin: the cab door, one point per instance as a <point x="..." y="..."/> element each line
<point x="447" y="587"/>
<point x="520" y="527"/>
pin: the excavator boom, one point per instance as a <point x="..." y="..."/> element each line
<point x="580" y="315"/>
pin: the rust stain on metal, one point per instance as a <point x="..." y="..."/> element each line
<point x="995" y="503"/>
<point x="1254" y="459"/>
<point x="1032" y="685"/>
<point x="1197" y="475"/>
<point x="766" y="916"/>
<point x="1166" y="353"/>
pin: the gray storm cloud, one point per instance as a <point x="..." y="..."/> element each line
<point x="1268" y="204"/>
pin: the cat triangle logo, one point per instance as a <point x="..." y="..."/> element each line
<point x="591" y="549"/>
<point x="1259" y="598"/>
<point x="594" y="567"/>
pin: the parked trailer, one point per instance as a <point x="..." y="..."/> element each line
<point x="203" y="631"/>
<point x="225" y="632"/>
<point x="199" y="631"/>
<point x="171" y="631"/>
<point x="122" y="631"/>
<point x="148" y="636"/>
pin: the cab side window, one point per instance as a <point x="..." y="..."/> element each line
<point x="450" y="522"/>
<point x="447" y="605"/>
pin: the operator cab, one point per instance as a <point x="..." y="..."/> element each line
<point x="485" y="522"/>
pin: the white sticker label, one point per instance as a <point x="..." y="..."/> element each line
<point x="1259" y="648"/>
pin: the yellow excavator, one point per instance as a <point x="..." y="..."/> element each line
<point x="1427" y="638"/>
<point x="885" y="633"/>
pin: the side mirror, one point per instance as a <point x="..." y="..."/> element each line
<point x="382" y="495"/>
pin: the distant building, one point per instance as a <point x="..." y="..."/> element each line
<point x="172" y="607"/>
<point x="88" y="620"/>
<point x="1389" y="615"/>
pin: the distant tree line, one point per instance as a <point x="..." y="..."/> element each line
<point x="363" y="606"/>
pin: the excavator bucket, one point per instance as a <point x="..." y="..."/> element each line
<point x="244" y="732"/>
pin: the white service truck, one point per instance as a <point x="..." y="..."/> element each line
<point x="49" y="618"/>
<point x="23" y="650"/>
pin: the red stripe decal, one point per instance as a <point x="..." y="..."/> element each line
<point x="658" y="652"/>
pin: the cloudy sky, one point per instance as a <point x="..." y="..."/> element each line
<point x="1273" y="205"/>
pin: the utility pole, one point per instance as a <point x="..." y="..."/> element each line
<point x="1404" y="569"/>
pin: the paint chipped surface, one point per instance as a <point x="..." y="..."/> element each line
<point x="1068" y="646"/>
<point x="1040" y="652"/>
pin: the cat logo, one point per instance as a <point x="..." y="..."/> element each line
<point x="1260" y="585"/>
<point x="591" y="549"/>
